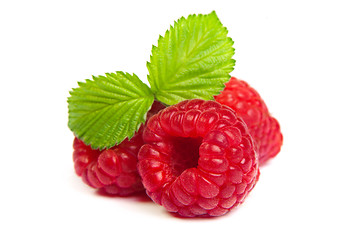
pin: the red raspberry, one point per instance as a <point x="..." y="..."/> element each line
<point x="112" y="170"/>
<point x="198" y="160"/>
<point x="248" y="105"/>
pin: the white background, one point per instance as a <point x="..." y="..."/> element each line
<point x="302" y="56"/>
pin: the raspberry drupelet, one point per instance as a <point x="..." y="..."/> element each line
<point x="198" y="160"/>
<point x="248" y="105"/>
<point x="112" y="170"/>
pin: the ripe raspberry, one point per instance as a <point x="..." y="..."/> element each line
<point x="198" y="160"/>
<point x="112" y="170"/>
<point x="248" y="105"/>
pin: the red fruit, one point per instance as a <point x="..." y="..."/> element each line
<point x="249" y="106"/>
<point x="198" y="160"/>
<point x="112" y="170"/>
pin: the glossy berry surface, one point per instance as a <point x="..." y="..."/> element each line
<point x="112" y="170"/>
<point x="198" y="160"/>
<point x="248" y="105"/>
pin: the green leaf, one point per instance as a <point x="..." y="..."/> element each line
<point x="192" y="60"/>
<point x="106" y="110"/>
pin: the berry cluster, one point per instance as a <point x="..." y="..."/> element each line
<point x="199" y="156"/>
<point x="195" y="158"/>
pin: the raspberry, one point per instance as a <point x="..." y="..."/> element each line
<point x="113" y="170"/>
<point x="248" y="105"/>
<point x="198" y="160"/>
